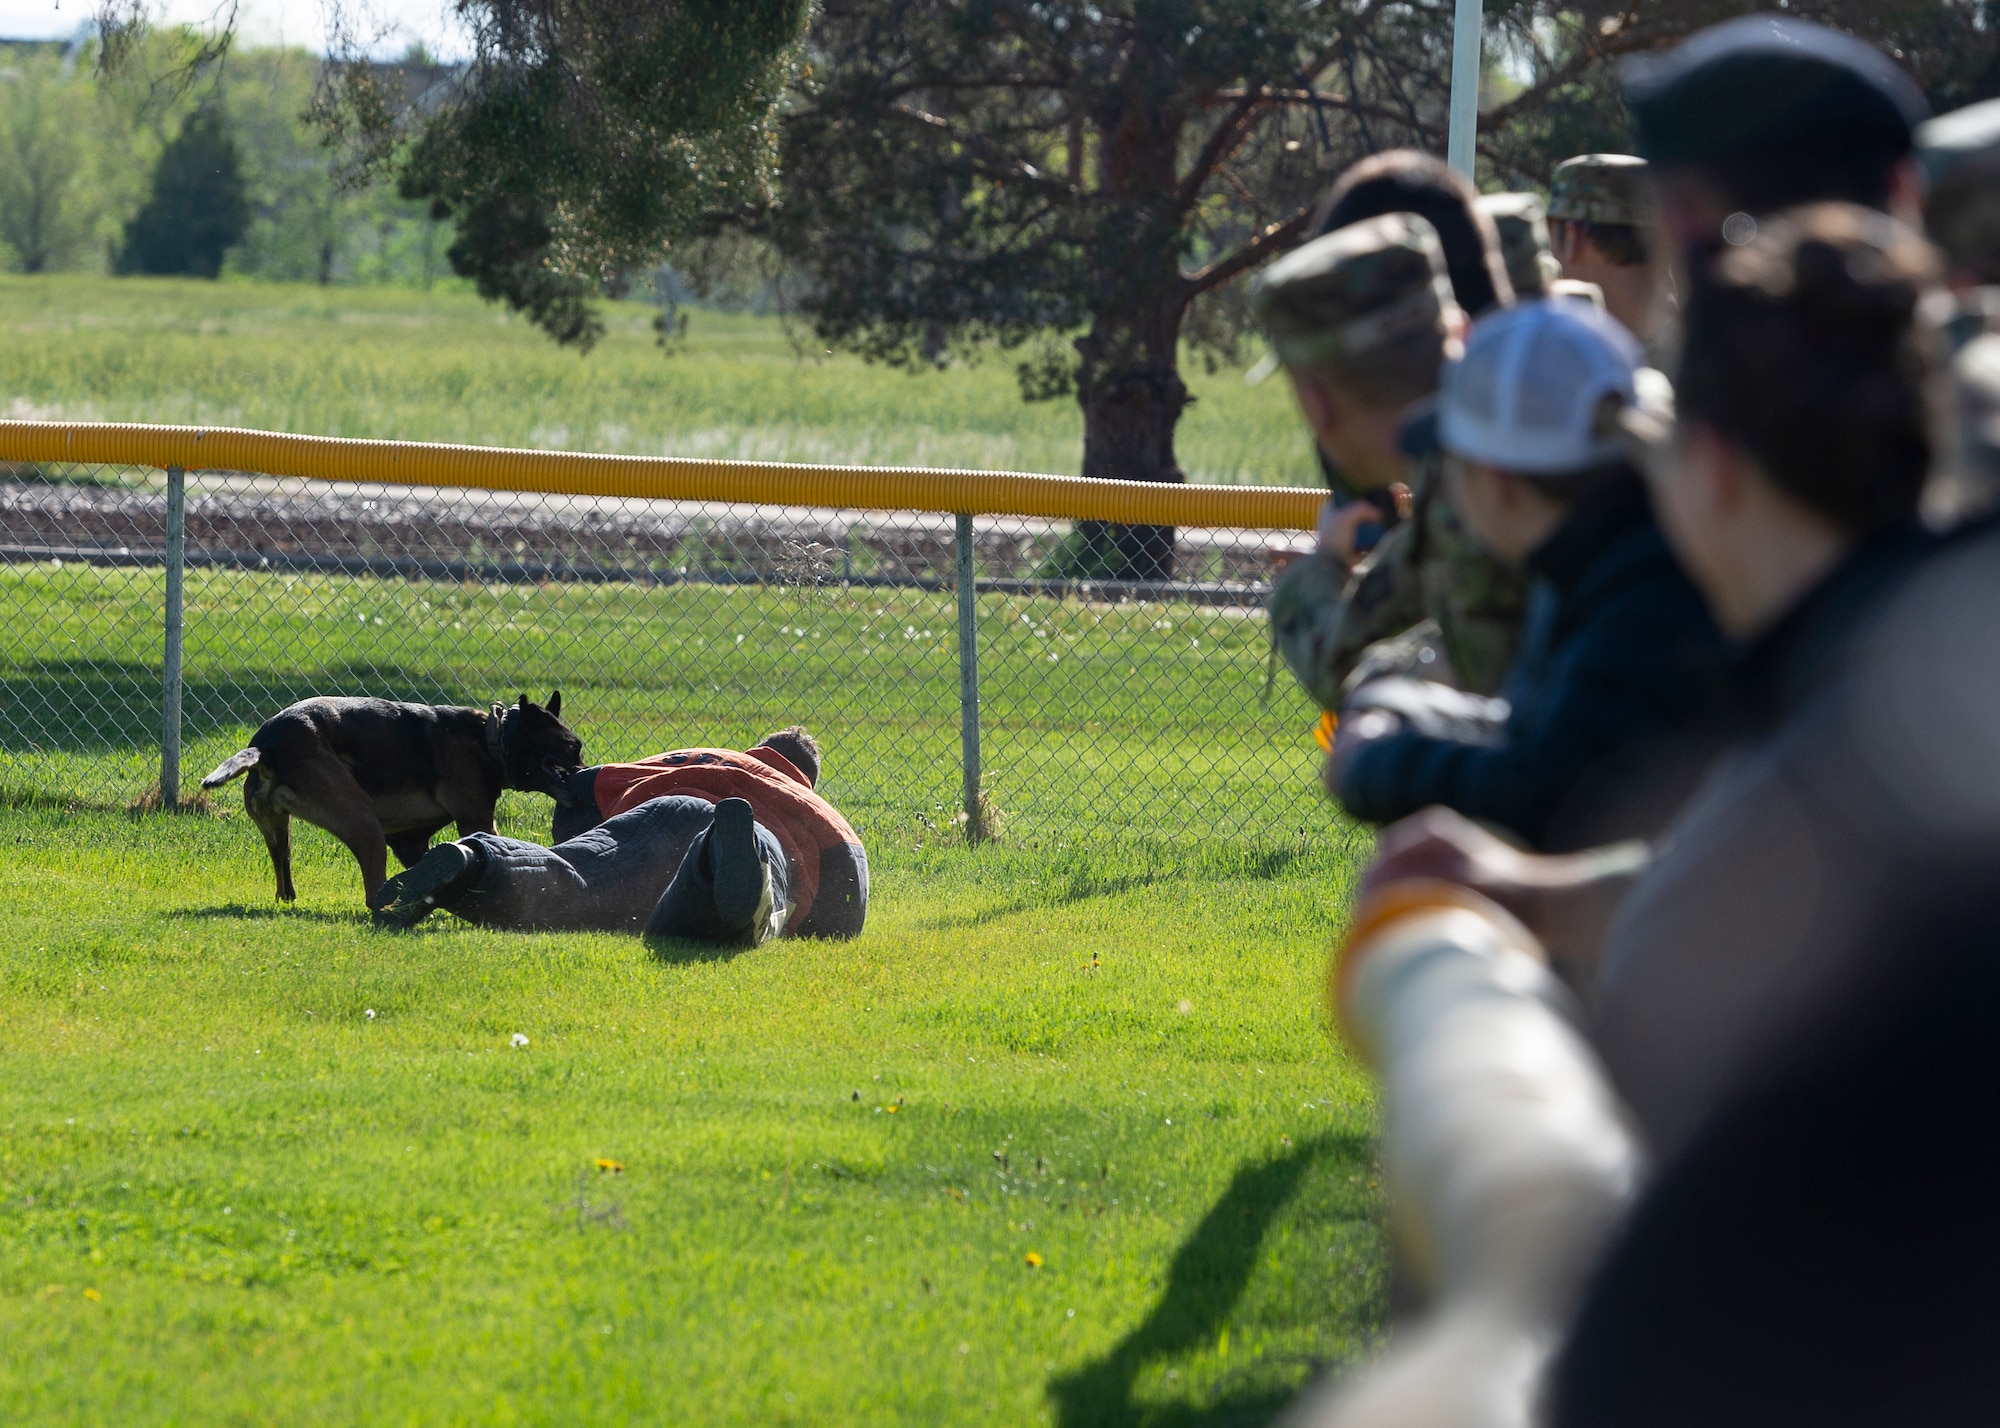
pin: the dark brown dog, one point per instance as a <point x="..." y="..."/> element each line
<point x="379" y="775"/>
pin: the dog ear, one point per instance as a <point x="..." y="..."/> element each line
<point x="555" y="703"/>
<point x="521" y="700"/>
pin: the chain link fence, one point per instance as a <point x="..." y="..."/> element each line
<point x="1056" y="707"/>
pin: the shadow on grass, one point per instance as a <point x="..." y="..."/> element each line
<point x="1204" y="1283"/>
<point x="241" y="912"/>
<point x="1066" y="887"/>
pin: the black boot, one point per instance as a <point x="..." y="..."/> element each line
<point x="413" y="894"/>
<point x="742" y="883"/>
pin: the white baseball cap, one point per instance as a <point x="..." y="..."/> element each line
<point x="1528" y="395"/>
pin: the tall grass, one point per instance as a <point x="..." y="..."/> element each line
<point x="445" y="366"/>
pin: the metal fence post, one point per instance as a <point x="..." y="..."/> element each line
<point x="968" y="682"/>
<point x="170" y="662"/>
<point x="1461" y="138"/>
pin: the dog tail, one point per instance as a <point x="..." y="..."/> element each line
<point x="235" y="766"/>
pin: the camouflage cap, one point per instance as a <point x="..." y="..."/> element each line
<point x="1356" y="290"/>
<point x="1524" y="240"/>
<point x="1600" y="188"/>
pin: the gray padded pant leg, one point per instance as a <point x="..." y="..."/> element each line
<point x="606" y="880"/>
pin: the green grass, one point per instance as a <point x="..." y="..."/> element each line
<point x="445" y="366"/>
<point x="228" y="1195"/>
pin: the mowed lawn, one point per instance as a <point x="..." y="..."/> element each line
<point x="1063" y="1138"/>
<point x="446" y="366"/>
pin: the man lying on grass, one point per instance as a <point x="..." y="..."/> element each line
<point x="703" y="845"/>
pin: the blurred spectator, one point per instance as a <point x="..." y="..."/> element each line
<point x="1406" y="181"/>
<point x="1433" y="574"/>
<point x="1362" y="320"/>
<point x="1521" y="224"/>
<point x="1764" y="112"/>
<point x="1600" y="209"/>
<point x="1394" y="562"/>
<point x="1961" y="159"/>
<point x="1618" y="657"/>
<point x="1798" y="996"/>
<point x="1801" y="449"/>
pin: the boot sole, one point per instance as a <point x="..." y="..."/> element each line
<point x="411" y="896"/>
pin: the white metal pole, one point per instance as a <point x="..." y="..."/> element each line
<point x="170" y="661"/>
<point x="1465" y="86"/>
<point x="968" y="678"/>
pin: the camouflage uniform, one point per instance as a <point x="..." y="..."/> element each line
<point x="1523" y="226"/>
<point x="1428" y="600"/>
<point x="1386" y="274"/>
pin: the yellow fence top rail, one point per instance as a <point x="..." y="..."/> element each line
<point x="678" y="478"/>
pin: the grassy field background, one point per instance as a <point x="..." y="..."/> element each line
<point x="262" y="1164"/>
<point x="445" y="366"/>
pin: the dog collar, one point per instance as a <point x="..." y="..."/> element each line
<point x="496" y="734"/>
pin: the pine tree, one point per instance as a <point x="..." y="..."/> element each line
<point x="197" y="210"/>
<point x="584" y="137"/>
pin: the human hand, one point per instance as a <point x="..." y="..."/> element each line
<point x="1353" y="733"/>
<point x="1566" y="900"/>
<point x="1438" y="843"/>
<point x="1339" y="528"/>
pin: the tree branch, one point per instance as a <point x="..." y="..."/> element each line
<point x="1221" y="144"/>
<point x="1627" y="39"/>
<point x="1265" y="243"/>
<point x="1009" y="166"/>
<point x="950" y="84"/>
<point x="1346" y="104"/>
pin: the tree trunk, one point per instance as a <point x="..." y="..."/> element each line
<point x="1127" y="379"/>
<point x="1129" y="386"/>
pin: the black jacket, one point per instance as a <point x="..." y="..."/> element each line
<point x="1619" y="676"/>
<point x="1799" y="1002"/>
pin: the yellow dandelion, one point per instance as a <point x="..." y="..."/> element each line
<point x="611" y="1167"/>
<point x="93" y="1296"/>
<point x="1034" y="1260"/>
